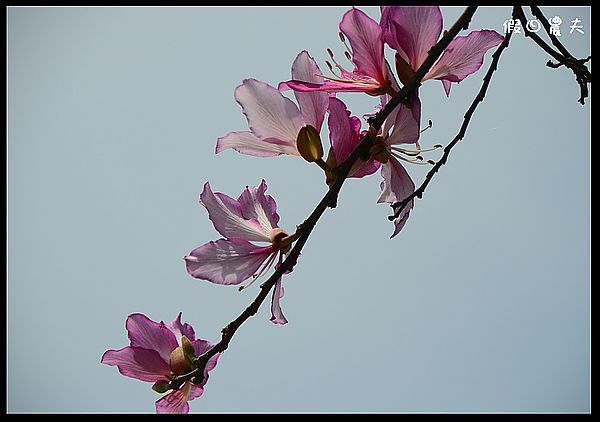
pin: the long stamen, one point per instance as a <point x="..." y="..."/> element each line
<point x="413" y="153"/>
<point x="266" y="267"/>
<point x="417" y="160"/>
<point x="429" y="126"/>
<point x="343" y="39"/>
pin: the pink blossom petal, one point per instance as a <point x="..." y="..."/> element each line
<point x="396" y="186"/>
<point x="412" y="31"/>
<point x="201" y="347"/>
<point x="357" y="84"/>
<point x="366" y="40"/>
<point x="277" y="316"/>
<point x="135" y="362"/>
<point x="313" y="105"/>
<point x="181" y="329"/>
<point x="247" y="143"/>
<point x="226" y="261"/>
<point x="344" y="135"/>
<point x="227" y="215"/>
<point x="260" y="207"/>
<point x="463" y="56"/>
<point x="148" y="334"/>
<point x="406" y="125"/>
<point x="269" y="113"/>
<point x="176" y="401"/>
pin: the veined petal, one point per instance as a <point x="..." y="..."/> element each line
<point x="313" y="105"/>
<point x="269" y="113"/>
<point x="135" y="362"/>
<point x="463" y="56"/>
<point x="366" y="40"/>
<point x="226" y="261"/>
<point x="344" y="135"/>
<point x="260" y="207"/>
<point x="151" y="335"/>
<point x="246" y="142"/>
<point x="201" y="347"/>
<point x="365" y="84"/>
<point x="181" y="329"/>
<point x="176" y="401"/>
<point x="412" y="31"/>
<point x="277" y="316"/>
<point x="228" y="217"/>
<point x="396" y="186"/>
<point x="406" y="125"/>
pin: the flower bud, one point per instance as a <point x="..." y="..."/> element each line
<point x="188" y="349"/>
<point x="161" y="386"/>
<point x="309" y="144"/>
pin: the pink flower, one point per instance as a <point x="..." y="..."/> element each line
<point x="274" y="120"/>
<point x="251" y="218"/>
<point x="345" y="135"/>
<point x="158" y="351"/>
<point x="400" y="128"/>
<point x="413" y="30"/>
<point x="371" y="73"/>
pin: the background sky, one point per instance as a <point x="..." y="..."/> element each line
<point x="480" y="304"/>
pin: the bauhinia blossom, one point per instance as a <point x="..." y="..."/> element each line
<point x="159" y="351"/>
<point x="273" y="119"/>
<point x="371" y="72"/>
<point x="413" y="30"/>
<point x="233" y="259"/>
<point x="345" y="135"/>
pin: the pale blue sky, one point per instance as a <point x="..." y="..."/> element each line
<point x="481" y="304"/>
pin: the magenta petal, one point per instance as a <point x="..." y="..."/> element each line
<point x="396" y="186"/>
<point x="247" y="143"/>
<point x="344" y="135"/>
<point x="181" y="329"/>
<point x="463" y="56"/>
<point x="176" y="401"/>
<point x="148" y="334"/>
<point x="226" y="261"/>
<point x="228" y="217"/>
<point x="412" y="31"/>
<point x="277" y="316"/>
<point x="313" y="105"/>
<point x="201" y="347"/>
<point x="135" y="362"/>
<point x="366" y="40"/>
<point x="358" y="84"/>
<point x="257" y="206"/>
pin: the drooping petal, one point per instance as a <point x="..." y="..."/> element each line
<point x="135" y="362"/>
<point x="269" y="113"/>
<point x="260" y="207"/>
<point x="277" y="316"/>
<point x="227" y="215"/>
<point x="366" y="40"/>
<point x="181" y="329"/>
<point x="176" y="401"/>
<point x="201" y="347"/>
<point x="344" y="135"/>
<point x="396" y="186"/>
<point x="226" y="261"/>
<point x="406" y="124"/>
<point x="247" y="143"/>
<point x="148" y="334"/>
<point x="463" y="56"/>
<point x="313" y="105"/>
<point x="412" y="31"/>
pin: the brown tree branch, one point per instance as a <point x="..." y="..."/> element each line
<point x="328" y="201"/>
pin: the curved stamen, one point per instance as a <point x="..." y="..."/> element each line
<point x="266" y="267"/>
<point x="413" y="153"/>
<point x="417" y="160"/>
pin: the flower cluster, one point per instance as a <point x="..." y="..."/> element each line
<point x="252" y="241"/>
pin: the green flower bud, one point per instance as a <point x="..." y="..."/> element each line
<point x="161" y="386"/>
<point x="309" y="144"/>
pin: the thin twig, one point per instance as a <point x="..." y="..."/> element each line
<point x="328" y="201"/>
<point x="418" y="193"/>
<point x="563" y="58"/>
